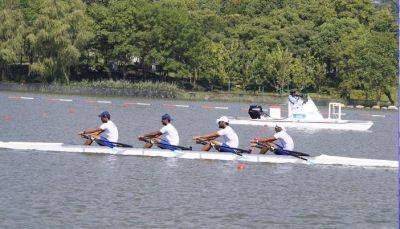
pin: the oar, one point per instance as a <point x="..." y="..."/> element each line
<point x="98" y="141"/>
<point x="178" y="147"/>
<point x="291" y="153"/>
<point x="237" y="150"/>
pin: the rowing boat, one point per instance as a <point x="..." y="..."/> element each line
<point x="317" y="160"/>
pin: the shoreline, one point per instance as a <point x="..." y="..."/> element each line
<point x="174" y="93"/>
<point x="149" y="93"/>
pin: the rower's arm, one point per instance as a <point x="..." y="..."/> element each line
<point x="92" y="130"/>
<point x="152" y="134"/>
<point x="265" y="140"/>
<point x="208" y="137"/>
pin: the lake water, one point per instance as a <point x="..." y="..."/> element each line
<point x="70" y="190"/>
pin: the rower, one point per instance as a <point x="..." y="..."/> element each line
<point x="168" y="141"/>
<point x="108" y="128"/>
<point x="230" y="137"/>
<point x="280" y="143"/>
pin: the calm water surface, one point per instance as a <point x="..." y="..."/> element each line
<point x="68" y="190"/>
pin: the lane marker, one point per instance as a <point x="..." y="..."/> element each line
<point x="382" y="116"/>
<point x="104" y="101"/>
<point x="211" y="107"/>
<point x="65" y="100"/>
<point x="90" y="101"/>
<point x="177" y="105"/>
<point x="60" y="100"/>
<point x="127" y="104"/>
<point x="20" y="97"/>
<point x="143" y="104"/>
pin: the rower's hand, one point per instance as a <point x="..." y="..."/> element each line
<point x="81" y="133"/>
<point x="254" y="140"/>
<point x="252" y="144"/>
<point x="196" y="137"/>
<point x="141" y="138"/>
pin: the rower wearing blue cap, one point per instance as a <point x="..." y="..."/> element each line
<point x="106" y="132"/>
<point x="166" y="138"/>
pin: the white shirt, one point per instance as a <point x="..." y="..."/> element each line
<point x="284" y="140"/>
<point x="171" y="134"/>
<point x="110" y="131"/>
<point x="230" y="137"/>
<point x="294" y="103"/>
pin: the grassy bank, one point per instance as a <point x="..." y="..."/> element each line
<point x="102" y="88"/>
<point x="143" y="90"/>
<point x="171" y="91"/>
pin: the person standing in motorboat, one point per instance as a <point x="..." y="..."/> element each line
<point x="295" y="101"/>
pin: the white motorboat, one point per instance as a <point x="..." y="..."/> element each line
<point x="306" y="117"/>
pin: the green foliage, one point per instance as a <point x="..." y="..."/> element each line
<point x="313" y="45"/>
<point x="12" y="31"/>
<point x="121" y="87"/>
<point x="57" y="37"/>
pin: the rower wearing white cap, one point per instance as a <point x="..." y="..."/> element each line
<point x="230" y="137"/>
<point x="280" y="143"/>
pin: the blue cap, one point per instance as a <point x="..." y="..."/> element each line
<point x="166" y="116"/>
<point x="105" y="114"/>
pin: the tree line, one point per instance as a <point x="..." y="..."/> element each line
<point x="310" y="45"/>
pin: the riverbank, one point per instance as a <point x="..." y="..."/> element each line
<point x="149" y="90"/>
<point x="161" y="90"/>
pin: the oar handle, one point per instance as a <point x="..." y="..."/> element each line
<point x="291" y="153"/>
<point x="237" y="150"/>
<point x="117" y="144"/>
<point x="148" y="140"/>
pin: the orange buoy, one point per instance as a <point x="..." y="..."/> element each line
<point x="241" y="167"/>
<point x="6" y="118"/>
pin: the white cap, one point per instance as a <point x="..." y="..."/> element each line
<point x="283" y="128"/>
<point x="223" y="119"/>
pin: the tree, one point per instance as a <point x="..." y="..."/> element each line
<point x="379" y="62"/>
<point x="274" y="68"/>
<point x="12" y="31"/>
<point x="57" y="37"/>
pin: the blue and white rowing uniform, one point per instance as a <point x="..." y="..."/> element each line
<point x="284" y="143"/>
<point x="105" y="142"/>
<point x="170" y="138"/>
<point x="110" y="133"/>
<point x="231" y="139"/>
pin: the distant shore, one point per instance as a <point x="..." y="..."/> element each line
<point x="148" y="90"/>
<point x="159" y="90"/>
